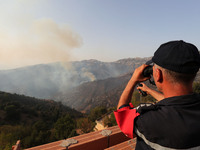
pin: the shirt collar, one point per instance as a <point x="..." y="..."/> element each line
<point x="180" y="100"/>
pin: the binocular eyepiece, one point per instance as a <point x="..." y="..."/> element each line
<point x="148" y="71"/>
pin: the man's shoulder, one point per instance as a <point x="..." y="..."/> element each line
<point x="149" y="113"/>
<point x="170" y="120"/>
<point x="169" y="109"/>
<point x="145" y="107"/>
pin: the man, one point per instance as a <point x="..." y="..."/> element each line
<point x="174" y="121"/>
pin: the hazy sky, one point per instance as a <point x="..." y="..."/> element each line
<point x="43" y="31"/>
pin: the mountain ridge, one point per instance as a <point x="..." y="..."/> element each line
<point x="81" y="85"/>
<point x="46" y="80"/>
<point x="96" y="93"/>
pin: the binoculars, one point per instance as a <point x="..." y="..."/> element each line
<point x="147" y="72"/>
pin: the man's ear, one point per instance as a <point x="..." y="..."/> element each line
<point x="159" y="75"/>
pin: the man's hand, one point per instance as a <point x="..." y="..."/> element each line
<point x="144" y="88"/>
<point x="157" y="95"/>
<point x="128" y="91"/>
<point x="138" y="76"/>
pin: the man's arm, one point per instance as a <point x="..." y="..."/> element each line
<point x="128" y="91"/>
<point x="157" y="95"/>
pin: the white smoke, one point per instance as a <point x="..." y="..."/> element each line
<point x="44" y="42"/>
<point x="25" y="40"/>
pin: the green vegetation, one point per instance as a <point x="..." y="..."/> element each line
<point x="37" y="122"/>
<point x="137" y="99"/>
<point x="110" y="120"/>
<point x="34" y="121"/>
<point x="87" y="123"/>
<point x="97" y="112"/>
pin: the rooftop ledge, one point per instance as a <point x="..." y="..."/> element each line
<point x="109" y="139"/>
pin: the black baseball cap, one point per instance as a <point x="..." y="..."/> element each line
<point x="177" y="56"/>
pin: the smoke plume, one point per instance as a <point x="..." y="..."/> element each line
<point x="43" y="42"/>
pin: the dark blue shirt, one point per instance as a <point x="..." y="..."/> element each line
<point x="173" y="123"/>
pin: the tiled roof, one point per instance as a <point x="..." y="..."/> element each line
<point x="94" y="141"/>
<point x="127" y="145"/>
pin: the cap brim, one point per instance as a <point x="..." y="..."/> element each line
<point x="149" y="62"/>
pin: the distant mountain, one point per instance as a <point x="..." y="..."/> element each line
<point x="97" y="93"/>
<point x="81" y="85"/>
<point x="48" y="80"/>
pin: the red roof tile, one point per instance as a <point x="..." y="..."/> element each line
<point x="89" y="141"/>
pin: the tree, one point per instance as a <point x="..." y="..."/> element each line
<point x="110" y="120"/>
<point x="85" y="125"/>
<point x="97" y="112"/>
<point x="12" y="114"/>
<point x="40" y="126"/>
<point x="64" y="127"/>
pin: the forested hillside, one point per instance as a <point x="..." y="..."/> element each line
<point x="34" y="121"/>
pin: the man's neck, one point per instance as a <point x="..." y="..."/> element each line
<point x="177" y="90"/>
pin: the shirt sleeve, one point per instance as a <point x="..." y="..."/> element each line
<point x="125" y="117"/>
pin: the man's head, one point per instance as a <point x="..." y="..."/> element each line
<point x="178" y="56"/>
<point x="178" y="62"/>
<point x="172" y="77"/>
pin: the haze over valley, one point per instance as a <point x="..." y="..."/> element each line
<point x="60" y="81"/>
<point x="81" y="85"/>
